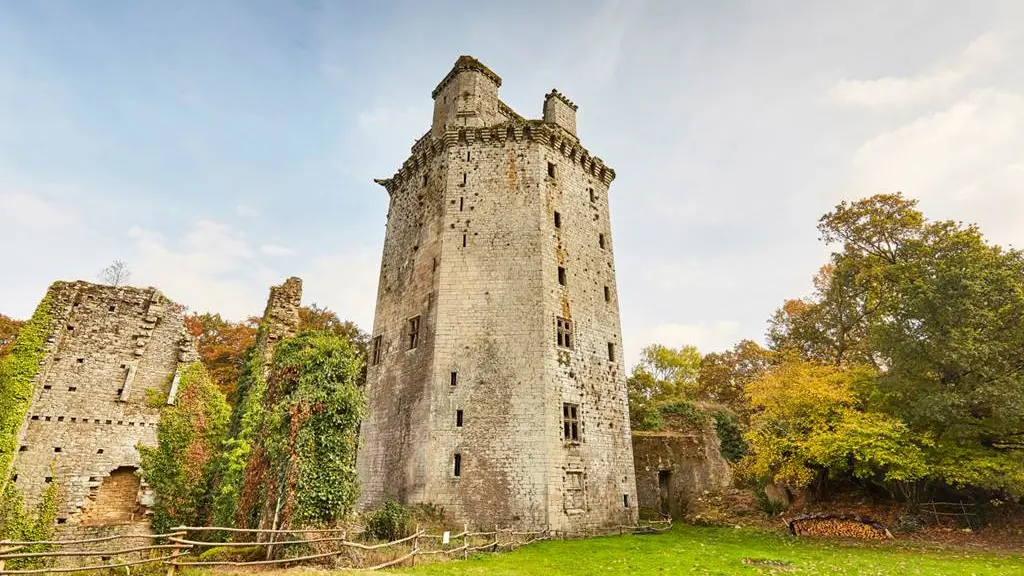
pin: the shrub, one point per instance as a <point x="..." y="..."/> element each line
<point x="389" y="522"/>
<point x="732" y="445"/>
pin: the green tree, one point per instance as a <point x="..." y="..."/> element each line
<point x="723" y="376"/>
<point x="664" y="375"/>
<point x="189" y="437"/>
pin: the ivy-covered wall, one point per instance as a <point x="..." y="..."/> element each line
<point x="17" y="373"/>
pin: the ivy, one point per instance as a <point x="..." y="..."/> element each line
<point x="189" y="436"/>
<point x="17" y="372"/>
<point x="18" y="524"/>
<point x="730" y="435"/>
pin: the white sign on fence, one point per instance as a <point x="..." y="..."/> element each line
<point x="446" y="537"/>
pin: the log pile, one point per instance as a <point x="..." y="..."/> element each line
<point x="838" y="526"/>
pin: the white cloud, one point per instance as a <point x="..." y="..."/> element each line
<point x="706" y="336"/>
<point x="938" y="81"/>
<point x="246" y="211"/>
<point x="346" y="283"/>
<point x="275" y="250"/>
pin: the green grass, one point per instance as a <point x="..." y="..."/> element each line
<point x="696" y="550"/>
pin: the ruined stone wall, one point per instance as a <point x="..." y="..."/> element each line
<point x="673" y="468"/>
<point x="472" y="249"/>
<point x="110" y="366"/>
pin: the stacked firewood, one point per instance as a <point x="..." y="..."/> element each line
<point x="837" y="526"/>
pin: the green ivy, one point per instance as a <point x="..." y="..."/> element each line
<point x="189" y="437"/>
<point x="17" y="371"/>
<point x="389" y="522"/>
<point x="730" y="435"/>
<point x="18" y="524"/>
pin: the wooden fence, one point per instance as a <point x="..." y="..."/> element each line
<point x="183" y="546"/>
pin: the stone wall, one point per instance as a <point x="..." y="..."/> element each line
<point x="110" y="365"/>
<point x="673" y="468"/>
<point x="476" y="262"/>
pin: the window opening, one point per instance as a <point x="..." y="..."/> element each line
<point x="625" y="500"/>
<point x="570" y="422"/>
<point x="551" y="169"/>
<point x="561" y="275"/>
<point x="414" y="332"/>
<point x="462" y="202"/>
<point x="558" y="220"/>
<point x="600" y="240"/>
<point x="458" y="418"/>
<point x="611" y="352"/>
<point x="463" y="178"/>
<point x="593" y="198"/>
<point x="463" y="240"/>
<point x="455" y="378"/>
<point x="376" y="354"/>
<point x="564" y="330"/>
<point x="458" y="465"/>
<point x="607" y="294"/>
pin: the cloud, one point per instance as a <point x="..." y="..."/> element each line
<point x="275" y="250"/>
<point x="246" y="211"/>
<point x="938" y="81"/>
<point x="706" y="336"/>
<point x="211" y="267"/>
<point x="345" y="282"/>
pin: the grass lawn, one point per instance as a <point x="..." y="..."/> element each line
<point x="697" y="550"/>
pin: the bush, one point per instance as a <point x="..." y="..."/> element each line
<point x="767" y="505"/>
<point x="389" y="522"/>
<point x="732" y="445"/>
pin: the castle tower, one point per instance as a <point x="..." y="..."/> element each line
<point x="496" y="387"/>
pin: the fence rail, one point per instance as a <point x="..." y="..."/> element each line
<point x="185" y="551"/>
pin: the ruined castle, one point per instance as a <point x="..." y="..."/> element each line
<point x="111" y="361"/>
<point x="496" y="387"/>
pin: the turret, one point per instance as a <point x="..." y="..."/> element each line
<point x="560" y="111"/>
<point x="467" y="96"/>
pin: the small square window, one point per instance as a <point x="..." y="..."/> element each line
<point x="571" y="422"/>
<point x="611" y="352"/>
<point x="561" y="275"/>
<point x="23" y="449"/>
<point x="48" y="479"/>
<point x="458" y="465"/>
<point x="455" y="378"/>
<point x="458" y="418"/>
<point x="376" y="351"/>
<point x="57" y="449"/>
<point x="414" y="332"/>
<point x="564" y="332"/>
<point x="607" y="294"/>
<point x="100" y="451"/>
<point x="72" y="388"/>
<point x="558" y="220"/>
<point x="551" y="169"/>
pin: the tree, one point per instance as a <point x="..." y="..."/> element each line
<point x="809" y="424"/>
<point x="317" y="318"/>
<point x="222" y="345"/>
<point x="116" y="274"/>
<point x="724" y="376"/>
<point x="663" y="375"/>
<point x="9" y="328"/>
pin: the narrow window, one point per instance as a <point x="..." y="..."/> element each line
<point x="551" y="169"/>
<point x="376" y="353"/>
<point x="462" y="203"/>
<point x="564" y="330"/>
<point x="611" y="352"/>
<point x="570" y="422"/>
<point x="414" y="332"/>
<point x="558" y="220"/>
<point x="593" y="198"/>
<point x="600" y="240"/>
<point x="458" y="418"/>
<point x="424" y="179"/>
<point x="458" y="465"/>
<point x="47" y="386"/>
<point x="625" y="500"/>
<point x="72" y="388"/>
<point x="455" y="378"/>
<point x="467" y="155"/>
<point x="463" y="240"/>
<point x="463" y="178"/>
<point x="561" y="276"/>
<point x="607" y="294"/>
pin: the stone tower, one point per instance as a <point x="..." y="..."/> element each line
<point x="496" y="387"/>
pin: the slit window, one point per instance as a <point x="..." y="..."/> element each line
<point x="463" y="240"/>
<point x="607" y="294"/>
<point x="563" y="327"/>
<point x="455" y="378"/>
<point x="558" y="220"/>
<point x="600" y="240"/>
<point x="414" y="332"/>
<point x="376" y="351"/>
<point x="611" y="352"/>
<point x="551" y="169"/>
<point x="458" y="465"/>
<point x="593" y="197"/>
<point x="462" y="203"/>
<point x="458" y="418"/>
<point x="561" y="275"/>
<point x="424" y="179"/>
<point x="463" y="178"/>
<point x="571" y="422"/>
<point x="625" y="500"/>
<point x="468" y="155"/>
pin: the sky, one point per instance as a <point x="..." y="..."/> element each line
<point x="219" y="147"/>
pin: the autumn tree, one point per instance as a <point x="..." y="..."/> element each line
<point x="664" y="375"/>
<point x="222" y="345"/>
<point x="117" y="274"/>
<point x="724" y="376"/>
<point x="9" y="328"/>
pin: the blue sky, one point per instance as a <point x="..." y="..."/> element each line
<point x="219" y="147"/>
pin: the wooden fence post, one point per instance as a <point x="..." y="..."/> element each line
<point x="415" y="543"/>
<point x="171" y="567"/>
<point x="465" y="540"/>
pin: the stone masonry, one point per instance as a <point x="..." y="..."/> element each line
<point x="496" y="387"/>
<point x="111" y="362"/>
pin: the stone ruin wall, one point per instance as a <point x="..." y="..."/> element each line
<point x="675" y="467"/>
<point x="111" y="363"/>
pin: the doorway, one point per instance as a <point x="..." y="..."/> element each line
<point x="664" y="492"/>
